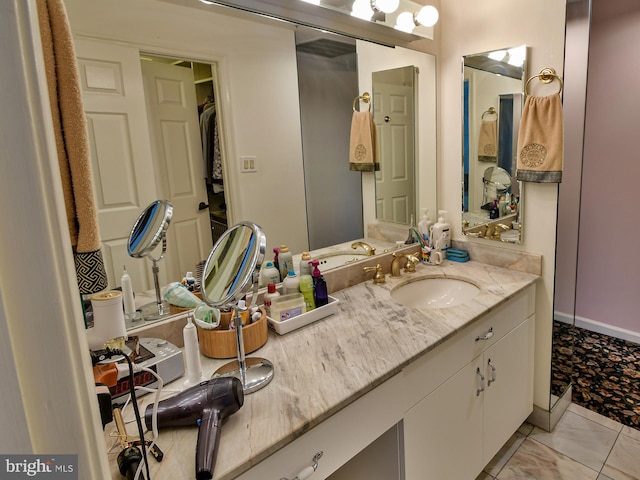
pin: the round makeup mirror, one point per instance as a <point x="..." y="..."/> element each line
<point x="496" y="181"/>
<point x="148" y="231"/>
<point x="232" y="269"/>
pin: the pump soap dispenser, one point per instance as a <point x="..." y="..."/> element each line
<point x="320" y="292"/>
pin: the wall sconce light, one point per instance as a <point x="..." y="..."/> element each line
<point x="385" y="6"/>
<point x="427" y="16"/>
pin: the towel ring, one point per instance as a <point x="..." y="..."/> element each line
<point x="491" y="111"/>
<point x="546" y="75"/>
<point x="365" y="97"/>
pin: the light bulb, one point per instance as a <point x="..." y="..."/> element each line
<point x="386" y="6"/>
<point x="362" y="9"/>
<point x="427" y="16"/>
<point x="405" y="22"/>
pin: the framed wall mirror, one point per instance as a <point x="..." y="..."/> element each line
<point x="493" y="96"/>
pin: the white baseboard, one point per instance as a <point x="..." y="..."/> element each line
<point x="598" y="327"/>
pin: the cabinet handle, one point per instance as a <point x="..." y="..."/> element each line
<point x="481" y="389"/>
<point x="492" y="373"/>
<point x="486" y="336"/>
<point x="308" y="471"/>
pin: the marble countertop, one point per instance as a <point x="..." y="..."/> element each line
<point x="323" y="367"/>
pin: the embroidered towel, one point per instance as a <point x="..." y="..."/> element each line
<point x="363" y="148"/>
<point x="487" y="151"/>
<point x="541" y="140"/>
<point x="72" y="144"/>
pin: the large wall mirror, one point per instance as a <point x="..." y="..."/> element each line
<point x="493" y="86"/>
<point x="280" y="135"/>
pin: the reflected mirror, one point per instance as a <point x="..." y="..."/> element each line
<point x="493" y="86"/>
<point x="148" y="231"/>
<point x="393" y="114"/>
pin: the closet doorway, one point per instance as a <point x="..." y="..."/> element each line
<point x="158" y="69"/>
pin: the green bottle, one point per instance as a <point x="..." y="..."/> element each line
<point x="306" y="288"/>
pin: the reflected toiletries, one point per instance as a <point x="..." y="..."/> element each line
<point x="441" y="233"/>
<point x="305" y="267"/>
<point x="127" y="294"/>
<point x="285" y="261"/>
<point x="320" y="292"/>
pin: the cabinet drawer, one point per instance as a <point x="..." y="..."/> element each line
<point x="340" y="437"/>
<point x="426" y="373"/>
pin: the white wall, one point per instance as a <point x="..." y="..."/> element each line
<point x="467" y="27"/>
<point x="608" y="264"/>
<point x="259" y="92"/>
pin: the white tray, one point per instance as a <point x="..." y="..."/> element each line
<point x="304" y="319"/>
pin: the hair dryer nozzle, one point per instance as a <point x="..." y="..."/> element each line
<point x="209" y="402"/>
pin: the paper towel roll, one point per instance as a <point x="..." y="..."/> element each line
<point x="108" y="320"/>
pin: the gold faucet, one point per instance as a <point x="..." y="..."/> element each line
<point x="409" y="266"/>
<point x="378" y="276"/>
<point x="371" y="251"/>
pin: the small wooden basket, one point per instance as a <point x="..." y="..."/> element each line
<point x="221" y="342"/>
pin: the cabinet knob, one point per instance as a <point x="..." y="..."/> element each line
<point x="308" y="471"/>
<point x="486" y="336"/>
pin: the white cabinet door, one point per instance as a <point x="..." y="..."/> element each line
<point x="508" y="400"/>
<point x="443" y="433"/>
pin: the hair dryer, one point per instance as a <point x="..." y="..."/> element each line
<point x="209" y="402"/>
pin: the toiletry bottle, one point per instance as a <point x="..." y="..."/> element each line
<point x="193" y="366"/>
<point x="268" y="297"/>
<point x="269" y="274"/>
<point x="285" y="260"/>
<point x="305" y="268"/>
<point x="320" y="293"/>
<point x="424" y="226"/>
<point x="291" y="283"/>
<point x="189" y="281"/>
<point x="411" y="237"/>
<point x="127" y="294"/>
<point x="441" y="232"/>
<point x="494" y="212"/>
<point x="306" y="288"/>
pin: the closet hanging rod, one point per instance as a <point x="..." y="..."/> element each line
<point x="546" y="75"/>
<point x="365" y="97"/>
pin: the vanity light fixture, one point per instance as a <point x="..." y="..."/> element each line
<point x="385" y="6"/>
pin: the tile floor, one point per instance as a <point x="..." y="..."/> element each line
<point x="583" y="446"/>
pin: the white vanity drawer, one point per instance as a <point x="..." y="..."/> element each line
<point x="428" y="372"/>
<point x="340" y="437"/>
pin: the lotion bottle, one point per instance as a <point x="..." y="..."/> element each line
<point x="305" y="268"/>
<point x="269" y="274"/>
<point x="291" y="283"/>
<point x="441" y="232"/>
<point x="285" y="260"/>
<point x="127" y="294"/>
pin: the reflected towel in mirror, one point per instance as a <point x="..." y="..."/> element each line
<point x="487" y="151"/>
<point x="363" y="148"/>
<point x="540" y="140"/>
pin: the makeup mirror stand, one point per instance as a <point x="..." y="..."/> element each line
<point x="254" y="372"/>
<point x="154" y="311"/>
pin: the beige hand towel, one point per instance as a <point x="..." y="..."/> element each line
<point x="541" y="140"/>
<point x="363" y="148"/>
<point x="487" y="149"/>
<point x="72" y="144"/>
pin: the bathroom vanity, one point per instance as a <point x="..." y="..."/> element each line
<point x="444" y="388"/>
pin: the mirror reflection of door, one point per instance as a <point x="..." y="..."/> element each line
<point x="394" y="107"/>
<point x="133" y="151"/>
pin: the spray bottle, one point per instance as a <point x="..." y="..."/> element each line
<point x="320" y="293"/>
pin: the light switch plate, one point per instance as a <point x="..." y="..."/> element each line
<point x="248" y="164"/>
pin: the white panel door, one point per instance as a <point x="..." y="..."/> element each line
<point x="395" y="181"/>
<point x="180" y="171"/>
<point x="113" y="96"/>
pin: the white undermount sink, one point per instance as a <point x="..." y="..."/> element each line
<point x="434" y="293"/>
